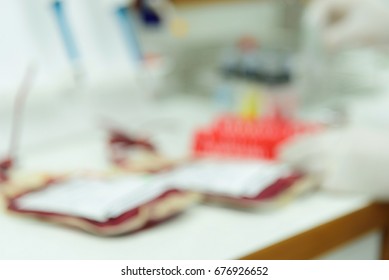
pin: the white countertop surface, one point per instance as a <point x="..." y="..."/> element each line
<point x="202" y="232"/>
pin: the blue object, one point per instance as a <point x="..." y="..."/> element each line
<point x="149" y="16"/>
<point x="125" y="18"/>
<point x="224" y="96"/>
<point x="64" y="27"/>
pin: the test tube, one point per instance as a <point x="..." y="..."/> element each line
<point x="127" y="25"/>
<point x="67" y="36"/>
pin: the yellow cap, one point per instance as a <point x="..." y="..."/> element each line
<point x="249" y="109"/>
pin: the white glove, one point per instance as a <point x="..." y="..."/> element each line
<point x="345" y="160"/>
<point x="350" y="22"/>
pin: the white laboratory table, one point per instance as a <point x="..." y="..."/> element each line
<point x="203" y="232"/>
<point x="305" y="228"/>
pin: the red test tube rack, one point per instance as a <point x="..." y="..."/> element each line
<point x="232" y="136"/>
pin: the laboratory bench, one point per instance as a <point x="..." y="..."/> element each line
<point x="307" y="227"/>
<point x="304" y="229"/>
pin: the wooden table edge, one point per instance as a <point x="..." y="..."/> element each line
<point x="326" y="237"/>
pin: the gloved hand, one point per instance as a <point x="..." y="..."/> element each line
<point x="350" y="22"/>
<point x="344" y="160"/>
